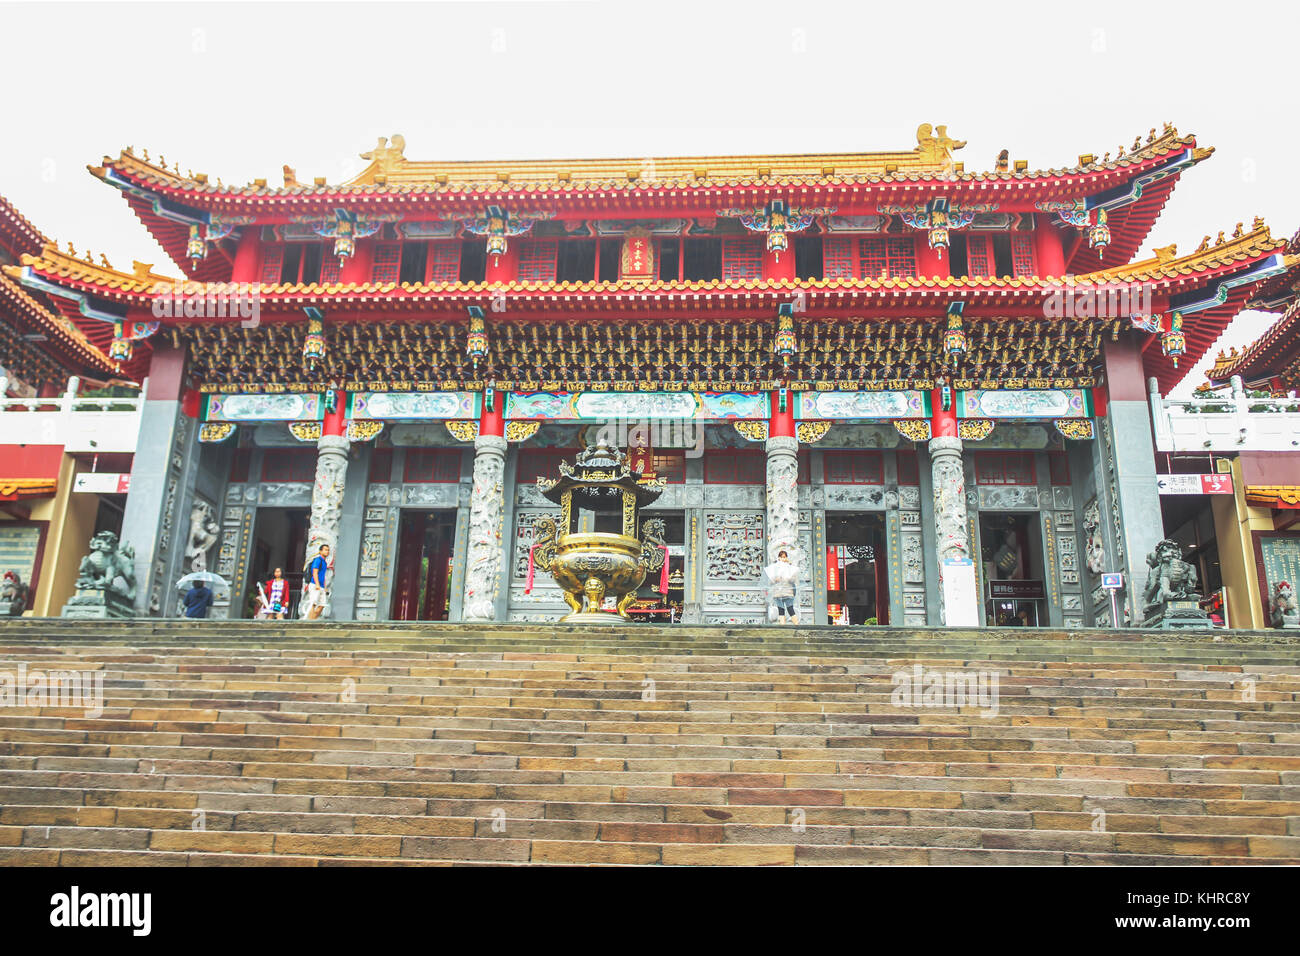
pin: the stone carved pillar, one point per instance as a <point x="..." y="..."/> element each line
<point x="949" y="480"/>
<point x="327" y="501"/>
<point x="486" y="516"/>
<point x="948" y="477"/>
<point x="783" y="500"/>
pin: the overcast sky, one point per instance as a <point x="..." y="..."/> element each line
<point x="238" y="90"/>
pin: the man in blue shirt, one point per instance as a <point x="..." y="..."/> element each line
<point x="197" y="600"/>
<point x="314" y="594"/>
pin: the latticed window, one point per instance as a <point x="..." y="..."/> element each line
<point x="537" y="261"/>
<point x="742" y="259"/>
<point x="886" y="257"/>
<point x="1059" y="465"/>
<point x="387" y="262"/>
<point x="272" y="261"/>
<point x="853" y="467"/>
<point x="381" y="465"/>
<point x="979" y="256"/>
<point x="289" y="465"/>
<point x="330" y="268"/>
<point x="426" y="465"/>
<point x="444" y="261"/>
<point x="909" y="472"/>
<point x="1022" y="254"/>
<point x="671" y="466"/>
<point x="837" y="258"/>
<point x="540" y="464"/>
<point x="1005" y="468"/>
<point x="735" y="468"/>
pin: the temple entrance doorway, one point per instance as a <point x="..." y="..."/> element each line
<point x="422" y="586"/>
<point x="857" y="582"/>
<point x="661" y="596"/>
<point x="1012" y="552"/>
<point x="279" y="541"/>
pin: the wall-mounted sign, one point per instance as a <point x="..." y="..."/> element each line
<point x="960" y="604"/>
<point x="1194" y="484"/>
<point x="1017" y="590"/>
<point x="103" y="483"/>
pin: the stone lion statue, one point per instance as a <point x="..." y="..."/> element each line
<point x="106" y="565"/>
<point x="204" y="530"/>
<point x="1283" y="608"/>
<point x="1170" y="578"/>
<point x="14" y="595"/>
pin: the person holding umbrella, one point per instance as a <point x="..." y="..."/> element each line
<point x="199" y="591"/>
<point x="198" y="599"/>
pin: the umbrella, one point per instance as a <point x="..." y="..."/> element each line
<point x="214" y="581"/>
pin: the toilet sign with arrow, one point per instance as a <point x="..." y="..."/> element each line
<point x="1194" y="484"/>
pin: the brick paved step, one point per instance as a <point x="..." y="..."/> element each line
<point x="342" y="745"/>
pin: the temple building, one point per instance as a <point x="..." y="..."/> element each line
<point x="68" y="421"/>
<point x="929" y="385"/>
<point x="1243" y="428"/>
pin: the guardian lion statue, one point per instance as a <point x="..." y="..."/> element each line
<point x="1170" y="578"/>
<point x="1283" y="608"/>
<point x="106" y="565"/>
<point x="14" y="595"/>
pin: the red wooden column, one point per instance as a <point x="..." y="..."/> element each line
<point x="248" y="256"/>
<point x="929" y="262"/>
<point x="492" y="420"/>
<point x="336" y="421"/>
<point x="781" y="424"/>
<point x="357" y="269"/>
<point x="1049" y="254"/>
<point x="503" y="268"/>
<point x="943" y="424"/>
<point x="782" y="268"/>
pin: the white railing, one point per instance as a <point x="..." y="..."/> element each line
<point x="78" y="423"/>
<point x="1231" y="422"/>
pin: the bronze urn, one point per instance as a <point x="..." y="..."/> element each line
<point x="590" y="566"/>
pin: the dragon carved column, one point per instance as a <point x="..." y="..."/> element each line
<point x="952" y="540"/>
<point x="783" y="499"/>
<point x="486" y="516"/>
<point x="327" y="496"/>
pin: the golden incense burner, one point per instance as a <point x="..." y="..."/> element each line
<point x="591" y="565"/>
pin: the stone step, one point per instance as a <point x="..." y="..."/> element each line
<point x="330" y="745"/>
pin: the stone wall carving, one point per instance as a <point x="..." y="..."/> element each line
<point x="204" y="531"/>
<point x="487" y="515"/>
<point x="733" y="546"/>
<point x="1008" y="498"/>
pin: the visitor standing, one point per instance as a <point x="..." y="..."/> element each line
<point x="782" y="575"/>
<point x="314" y="594"/>
<point x="198" y="599"/>
<point x="277" y="596"/>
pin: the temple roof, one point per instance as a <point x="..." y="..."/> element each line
<point x="1224" y="271"/>
<point x="17" y="234"/>
<point x="1276" y="353"/>
<point x="67" y="345"/>
<point x="166" y="200"/>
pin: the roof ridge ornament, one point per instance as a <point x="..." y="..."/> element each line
<point x="387" y="157"/>
<point x="934" y="146"/>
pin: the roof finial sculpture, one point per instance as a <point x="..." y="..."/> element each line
<point x="386" y="156"/>
<point x="933" y="145"/>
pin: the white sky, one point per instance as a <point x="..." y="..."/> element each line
<point x="237" y="90"/>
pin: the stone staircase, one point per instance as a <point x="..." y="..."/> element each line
<point x="284" y="743"/>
